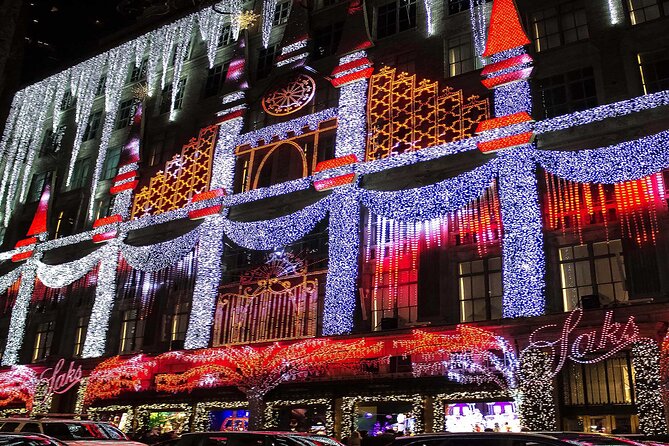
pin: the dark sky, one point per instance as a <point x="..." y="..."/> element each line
<point x="60" y="33"/>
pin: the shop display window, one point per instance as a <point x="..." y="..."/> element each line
<point x="166" y="422"/>
<point x="499" y="416"/>
<point x="310" y="419"/>
<point x="119" y="419"/>
<point x="229" y="420"/>
<point x="394" y="418"/>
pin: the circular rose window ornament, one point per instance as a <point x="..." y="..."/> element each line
<point x="290" y="96"/>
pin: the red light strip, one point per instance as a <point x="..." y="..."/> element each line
<point x="363" y="74"/>
<point x="350" y="65"/>
<point x="331" y="183"/>
<point x="116" y="218"/>
<point x="202" y="213"/>
<point x="231" y="115"/>
<point x="506" y="64"/>
<point x="125" y="176"/>
<point x="100" y="238"/>
<point x="507" y="78"/>
<point x="22" y="256"/>
<point x="503" y="121"/>
<point x="125" y="186"/>
<point x="208" y="195"/>
<point x="26" y="242"/>
<point x="336" y="162"/>
<point x="505" y="143"/>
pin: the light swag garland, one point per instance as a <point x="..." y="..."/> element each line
<point x="272" y="409"/>
<point x="17" y="322"/>
<point x="440" y="400"/>
<point x="646" y="361"/>
<point x="79" y="408"/>
<point x="160" y="255"/>
<point x="202" y="412"/>
<point x="42" y="399"/>
<point x="269" y="234"/>
<point x="58" y="276"/>
<point x="350" y="404"/>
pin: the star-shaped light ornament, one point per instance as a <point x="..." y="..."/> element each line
<point x="246" y="19"/>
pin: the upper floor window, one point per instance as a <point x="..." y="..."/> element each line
<point x="93" y="126"/>
<point x="80" y="173"/>
<point x="43" y="340"/>
<point x="266" y="60"/>
<point x="394" y="17"/>
<point x="36" y="186"/>
<point x="166" y="97"/>
<point x="175" y="325"/>
<point x="568" y="92"/>
<point x="480" y="284"/>
<point x="52" y="140"/>
<point x="226" y="37"/>
<point x="561" y="25"/>
<point x="645" y="10"/>
<point x="103" y="207"/>
<point x="327" y="39"/>
<point x="132" y="331"/>
<point x="111" y="163"/>
<point x="455" y="6"/>
<point x="80" y="335"/>
<point x="461" y="55"/>
<point x="101" y="85"/>
<point x="654" y="69"/>
<point x="281" y="13"/>
<point x="125" y="112"/>
<point x="215" y="80"/>
<point x="68" y="101"/>
<point x="605" y="382"/>
<point x="592" y="274"/>
<point x="138" y="72"/>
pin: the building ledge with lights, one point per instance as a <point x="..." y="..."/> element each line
<point x="275" y="218"/>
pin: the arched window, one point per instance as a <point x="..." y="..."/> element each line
<point x="283" y="163"/>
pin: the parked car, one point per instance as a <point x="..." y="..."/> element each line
<point x="26" y="439"/>
<point x="254" y="439"/>
<point x="71" y="432"/>
<point x="513" y="439"/>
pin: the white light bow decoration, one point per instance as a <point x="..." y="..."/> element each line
<point x="160" y="255"/>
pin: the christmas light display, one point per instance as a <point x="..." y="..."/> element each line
<point x="18" y="385"/>
<point x="211" y="24"/>
<point x="478" y="20"/>
<point x="17" y="323"/>
<point x="160" y="255"/>
<point x="350" y="404"/>
<point x="351" y="121"/>
<point x="272" y="412"/>
<point x="117" y="375"/>
<point x="203" y="409"/>
<point x="206" y="284"/>
<point x="443" y="116"/>
<point x="58" y="276"/>
<point x="537" y="405"/>
<point x="646" y="362"/>
<point x="616" y="12"/>
<point x="144" y="410"/>
<point x="81" y="393"/>
<point x="42" y="399"/>
<point x="341" y="282"/>
<point x="280" y="131"/>
<point x="268" y="9"/>
<point x="505" y="31"/>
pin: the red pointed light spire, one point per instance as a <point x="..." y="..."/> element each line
<point x="38" y="225"/>
<point x="505" y="31"/>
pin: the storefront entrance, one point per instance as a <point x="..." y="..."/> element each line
<point x="607" y="424"/>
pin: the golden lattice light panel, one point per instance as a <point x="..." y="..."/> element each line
<point x="185" y="175"/>
<point x="406" y="115"/>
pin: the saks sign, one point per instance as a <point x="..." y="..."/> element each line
<point x="60" y="379"/>
<point x="584" y="347"/>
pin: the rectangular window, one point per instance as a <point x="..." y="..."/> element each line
<point x="43" y="340"/>
<point x="132" y="331"/>
<point x="64" y="225"/>
<point x="103" y="207"/>
<point x="80" y="173"/>
<point x="111" y="163"/>
<point x="215" y="80"/>
<point x="68" y="101"/>
<point x="606" y="382"/>
<point x="558" y="26"/>
<point x="80" y="335"/>
<point x="327" y="39"/>
<point x="592" y="272"/>
<point x="266" y="60"/>
<point x="176" y="324"/>
<point x="138" y="72"/>
<point x="36" y="186"/>
<point x="568" y="92"/>
<point x="101" y="85"/>
<point x="93" y="126"/>
<point x="226" y="37"/>
<point x="281" y="13"/>
<point x="654" y="69"/>
<point x="480" y="284"/>
<point x="52" y="141"/>
<point x="644" y="10"/>
<point x="394" y="17"/>
<point x="166" y="97"/>
<point x="461" y="55"/>
<point x="125" y="112"/>
<point x="455" y="6"/>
